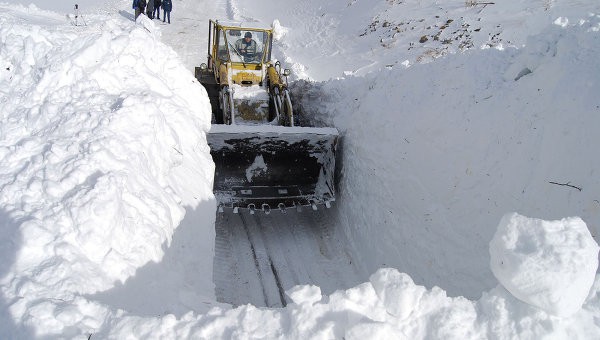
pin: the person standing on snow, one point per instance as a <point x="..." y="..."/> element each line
<point x="167" y="7"/>
<point x="139" y="6"/>
<point x="150" y="9"/>
<point x="157" y="4"/>
<point x="136" y="7"/>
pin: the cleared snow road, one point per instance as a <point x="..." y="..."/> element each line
<point x="258" y="257"/>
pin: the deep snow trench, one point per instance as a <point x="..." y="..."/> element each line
<point x="109" y="218"/>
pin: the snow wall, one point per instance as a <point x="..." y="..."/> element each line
<point x="103" y="155"/>
<point x="431" y="159"/>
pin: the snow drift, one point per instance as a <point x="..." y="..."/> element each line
<point x="102" y="148"/>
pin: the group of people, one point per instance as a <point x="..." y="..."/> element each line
<point x="153" y="7"/>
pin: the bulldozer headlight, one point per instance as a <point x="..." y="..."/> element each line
<point x="203" y="66"/>
<point x="286" y="72"/>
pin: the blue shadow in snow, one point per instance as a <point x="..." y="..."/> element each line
<point x="10" y="245"/>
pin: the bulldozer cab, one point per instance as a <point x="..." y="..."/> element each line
<point x="242" y="49"/>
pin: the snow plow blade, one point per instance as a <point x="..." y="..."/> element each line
<point x="263" y="166"/>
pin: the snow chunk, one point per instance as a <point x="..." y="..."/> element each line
<point x="279" y="31"/>
<point x="253" y="92"/>
<point x="257" y="168"/>
<point x="149" y="25"/>
<point x="547" y="264"/>
<point x="397" y="291"/>
<point x="305" y="294"/>
<point x="562" y="22"/>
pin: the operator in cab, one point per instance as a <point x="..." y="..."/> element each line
<point x="247" y="47"/>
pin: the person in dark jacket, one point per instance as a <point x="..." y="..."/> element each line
<point x="157" y="4"/>
<point x="136" y="7"/>
<point x="139" y="6"/>
<point x="247" y="47"/>
<point x="167" y="7"/>
<point x="150" y="9"/>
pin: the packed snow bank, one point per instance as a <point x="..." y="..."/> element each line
<point x="62" y="6"/>
<point x="434" y="155"/>
<point x="389" y="306"/>
<point x="548" y="264"/>
<point x="324" y="40"/>
<point x="103" y="149"/>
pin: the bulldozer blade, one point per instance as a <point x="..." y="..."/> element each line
<point x="272" y="166"/>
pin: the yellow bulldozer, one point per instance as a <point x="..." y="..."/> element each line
<point x="263" y="159"/>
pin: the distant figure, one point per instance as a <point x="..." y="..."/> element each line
<point x="136" y="7"/>
<point x="139" y="6"/>
<point x="150" y="9"/>
<point x="167" y="7"/>
<point x="157" y="4"/>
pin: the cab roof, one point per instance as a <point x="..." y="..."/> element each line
<point x="240" y="25"/>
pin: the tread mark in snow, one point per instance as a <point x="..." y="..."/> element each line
<point x="255" y="257"/>
<point x="273" y="253"/>
<point x="278" y="282"/>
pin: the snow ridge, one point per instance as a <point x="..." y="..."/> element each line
<point x="89" y="128"/>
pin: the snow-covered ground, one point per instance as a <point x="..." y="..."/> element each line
<point x="453" y="115"/>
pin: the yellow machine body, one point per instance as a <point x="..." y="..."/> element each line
<point x="262" y="158"/>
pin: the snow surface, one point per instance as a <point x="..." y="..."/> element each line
<point x="451" y="115"/>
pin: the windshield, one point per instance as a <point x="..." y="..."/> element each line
<point x="247" y="46"/>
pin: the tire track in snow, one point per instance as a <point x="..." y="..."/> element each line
<point x="336" y="267"/>
<point x="271" y="284"/>
<point x="222" y="263"/>
<point x="237" y="280"/>
<point x="273" y="253"/>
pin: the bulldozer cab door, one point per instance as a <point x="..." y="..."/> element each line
<point x="221" y="51"/>
<point x="217" y="53"/>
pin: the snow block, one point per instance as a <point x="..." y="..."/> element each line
<point x="547" y="264"/>
<point x="148" y="25"/>
<point x="397" y="291"/>
<point x="304" y="294"/>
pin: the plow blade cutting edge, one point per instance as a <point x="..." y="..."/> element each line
<point x="264" y="167"/>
